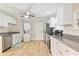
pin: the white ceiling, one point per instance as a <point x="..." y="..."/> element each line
<point x="40" y="10"/>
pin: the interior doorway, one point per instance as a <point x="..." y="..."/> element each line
<point x="39" y="30"/>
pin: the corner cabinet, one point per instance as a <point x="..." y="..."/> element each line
<point x="64" y="14"/>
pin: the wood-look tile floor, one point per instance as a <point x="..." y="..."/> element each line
<point x="33" y="48"/>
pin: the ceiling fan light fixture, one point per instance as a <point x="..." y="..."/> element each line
<point x="27" y="13"/>
<point x="26" y="16"/>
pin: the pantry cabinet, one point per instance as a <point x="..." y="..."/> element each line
<point x="64" y="14"/>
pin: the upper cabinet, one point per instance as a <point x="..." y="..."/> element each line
<point x="11" y="20"/>
<point x="52" y="22"/>
<point x="64" y="14"/>
<point x="5" y="19"/>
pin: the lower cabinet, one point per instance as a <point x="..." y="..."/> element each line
<point x="60" y="49"/>
<point x="1" y="44"/>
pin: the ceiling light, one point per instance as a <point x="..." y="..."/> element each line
<point x="26" y="16"/>
<point x="27" y="13"/>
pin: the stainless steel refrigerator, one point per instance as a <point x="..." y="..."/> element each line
<point x="47" y="30"/>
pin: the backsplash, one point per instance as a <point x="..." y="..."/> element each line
<point x="3" y="29"/>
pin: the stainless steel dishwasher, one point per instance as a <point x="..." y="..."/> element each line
<point x="7" y="41"/>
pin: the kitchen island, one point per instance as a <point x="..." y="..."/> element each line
<point x="65" y="45"/>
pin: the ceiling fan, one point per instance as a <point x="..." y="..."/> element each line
<point x="27" y="14"/>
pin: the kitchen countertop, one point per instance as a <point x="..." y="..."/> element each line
<point x="71" y="41"/>
<point x="8" y="33"/>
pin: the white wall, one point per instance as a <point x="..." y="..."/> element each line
<point x="36" y="30"/>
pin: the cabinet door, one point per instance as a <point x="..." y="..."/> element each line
<point x="1" y="43"/>
<point x="52" y="44"/>
<point x="67" y="13"/>
<point x="54" y="49"/>
<point x="64" y="14"/>
<point x="60" y="15"/>
<point x="11" y="20"/>
<point x="3" y="20"/>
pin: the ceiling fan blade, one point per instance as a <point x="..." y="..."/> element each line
<point x="31" y="15"/>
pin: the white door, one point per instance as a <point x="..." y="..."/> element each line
<point x="27" y="32"/>
<point x="38" y="30"/>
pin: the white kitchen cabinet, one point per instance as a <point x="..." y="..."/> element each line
<point x="1" y="43"/>
<point x="3" y="23"/>
<point x="53" y="22"/>
<point x="3" y="20"/>
<point x="60" y="49"/>
<point x="11" y="20"/>
<point x="64" y="14"/>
